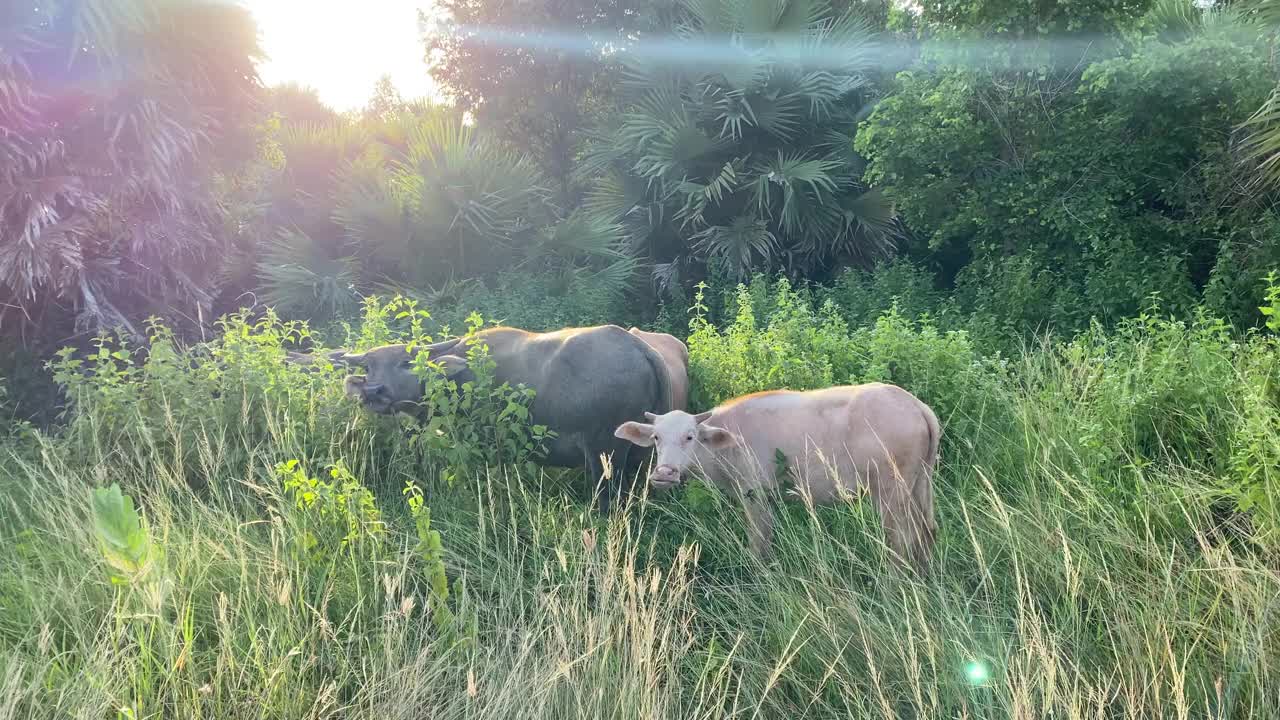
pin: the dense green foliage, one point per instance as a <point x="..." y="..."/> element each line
<point x="1052" y="196"/>
<point x="415" y="201"/>
<point x="1040" y="167"/>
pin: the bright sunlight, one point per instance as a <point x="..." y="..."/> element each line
<point x="342" y="48"/>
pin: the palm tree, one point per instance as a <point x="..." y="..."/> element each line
<point x="106" y="152"/>
<point x="1262" y="144"/>
<point x="736" y="141"/>
<point x="412" y="200"/>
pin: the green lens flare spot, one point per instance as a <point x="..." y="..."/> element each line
<point x="977" y="672"/>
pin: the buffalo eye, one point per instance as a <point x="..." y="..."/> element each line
<point x="688" y="438"/>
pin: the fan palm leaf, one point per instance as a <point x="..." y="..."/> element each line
<point x="741" y="243"/>
<point x="795" y="18"/>
<point x="612" y="280"/>
<point x="746" y="155"/>
<point x="582" y="235"/>
<point x="298" y="278"/>
<point x="371" y="210"/>
<point x="1261" y="145"/>
<point x="715" y="17"/>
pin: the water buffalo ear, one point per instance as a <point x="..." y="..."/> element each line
<point x="716" y="438"/>
<point x="702" y="417"/>
<point x="637" y="433"/>
<point x="452" y="364"/>
<point x="650" y="416"/>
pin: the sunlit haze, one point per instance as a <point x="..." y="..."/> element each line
<point x="341" y="47"/>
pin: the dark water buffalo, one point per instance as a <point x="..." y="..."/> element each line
<point x="588" y="382"/>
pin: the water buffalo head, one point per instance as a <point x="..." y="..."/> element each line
<point x="389" y="383"/>
<point x="683" y="441"/>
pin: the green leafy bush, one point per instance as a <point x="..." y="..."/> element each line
<point x="127" y="402"/>
<point x="790" y="351"/>
<point x="862" y="296"/>
<point x="1078" y="195"/>
<point x="478" y="423"/>
<point x="799" y="347"/>
<point x="328" y="516"/>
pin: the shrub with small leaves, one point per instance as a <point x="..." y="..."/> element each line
<point x="476" y="423"/>
<point x="338" y="514"/>
<point x="430" y="549"/>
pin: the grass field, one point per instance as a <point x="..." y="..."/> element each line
<point x="1079" y="573"/>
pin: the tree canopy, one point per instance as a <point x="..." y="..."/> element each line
<point x="116" y="117"/>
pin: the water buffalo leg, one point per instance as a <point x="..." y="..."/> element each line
<point x="759" y="522"/>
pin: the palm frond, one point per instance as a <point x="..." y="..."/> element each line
<point x="731" y="62"/>
<point x="872" y="210"/>
<point x="700" y="196"/>
<point x="611" y="281"/>
<point x="740" y="243"/>
<point x="613" y="195"/>
<point x="780" y="115"/>
<point x="101" y="26"/>
<point x="715" y="17"/>
<point x="733" y="111"/>
<point x="1174" y="18"/>
<point x="670" y="149"/>
<point x="582" y="235"/>
<point x="667" y="275"/>
<point x="848" y="45"/>
<point x="299" y="279"/>
<point x="1265" y="12"/>
<point x="371" y="210"/>
<point x="314" y="153"/>
<point x="797" y="17"/>
<point x="604" y="152"/>
<point x="1262" y="145"/>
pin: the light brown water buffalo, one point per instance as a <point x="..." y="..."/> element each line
<point x="588" y="381"/>
<point x="841" y="440"/>
<point x="676" y="357"/>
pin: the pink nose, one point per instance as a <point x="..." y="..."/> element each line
<point x="664" y="475"/>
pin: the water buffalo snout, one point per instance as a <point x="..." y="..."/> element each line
<point x="664" y="476"/>
<point x="373" y="388"/>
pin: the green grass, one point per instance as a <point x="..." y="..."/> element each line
<point x="1091" y="561"/>
<point x="1076" y="608"/>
